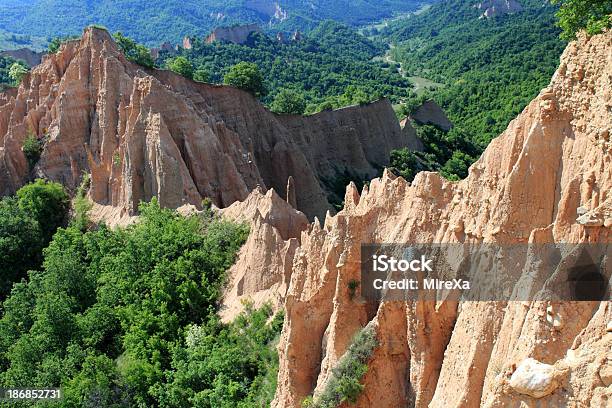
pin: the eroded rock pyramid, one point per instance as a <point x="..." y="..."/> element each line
<point x="144" y="133"/>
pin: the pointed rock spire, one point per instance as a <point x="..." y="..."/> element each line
<point x="291" y="196"/>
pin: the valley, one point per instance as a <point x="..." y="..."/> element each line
<point x="306" y="204"/>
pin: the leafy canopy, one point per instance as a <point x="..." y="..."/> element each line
<point x="17" y="71"/>
<point x="330" y="67"/>
<point x="289" y="101"/>
<point x="181" y="65"/>
<point x="32" y="149"/>
<point x="27" y="223"/>
<point x="134" y="52"/>
<point x="246" y="76"/>
<point x="128" y="318"/>
<point x="591" y="15"/>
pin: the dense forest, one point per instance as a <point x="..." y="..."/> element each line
<point x="488" y="68"/>
<point x="5" y="66"/>
<point x="491" y="67"/>
<point x="126" y="317"/>
<point x="154" y="21"/>
<point x="330" y="67"/>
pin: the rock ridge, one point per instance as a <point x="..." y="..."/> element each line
<point x="534" y="184"/>
<point x="144" y="133"/>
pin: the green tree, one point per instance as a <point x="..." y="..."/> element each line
<point x="246" y="76"/>
<point x="47" y="202"/>
<point x="289" y="101"/>
<point x="404" y="163"/>
<point x="128" y="317"/>
<point x="201" y="75"/>
<point x="32" y="149"/>
<point x="591" y="15"/>
<point x="54" y="45"/>
<point x="456" y="168"/>
<point x="181" y="65"/>
<point x="56" y="42"/>
<point x="27" y="223"/>
<point x="133" y="51"/>
<point x="20" y="244"/>
<point x="17" y="71"/>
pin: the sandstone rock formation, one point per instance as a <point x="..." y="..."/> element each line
<point x="555" y="158"/>
<point x="416" y="144"/>
<point x="534" y="378"/>
<point x="166" y="46"/>
<point x="268" y="8"/>
<point x="494" y="8"/>
<point x="263" y="270"/>
<point x="31" y="58"/>
<point x="144" y="133"/>
<point x="236" y="34"/>
<point x="430" y="113"/>
<point x="187" y="43"/>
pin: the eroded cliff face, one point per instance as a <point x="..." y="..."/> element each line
<point x="494" y="8"/>
<point x="145" y="133"/>
<point x="547" y="178"/>
<point x="263" y="270"/>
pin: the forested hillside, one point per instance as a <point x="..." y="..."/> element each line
<point x="126" y="317"/>
<point x="489" y="68"/>
<point x="331" y="67"/>
<point x="155" y="21"/>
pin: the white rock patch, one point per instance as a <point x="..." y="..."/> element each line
<point x="534" y="379"/>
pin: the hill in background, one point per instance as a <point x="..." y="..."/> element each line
<point x="155" y="21"/>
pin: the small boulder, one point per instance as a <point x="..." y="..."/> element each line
<point x="605" y="373"/>
<point x="590" y="220"/>
<point x="534" y="379"/>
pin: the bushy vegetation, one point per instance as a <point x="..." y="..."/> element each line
<point x="344" y="384"/>
<point x="330" y="68"/>
<point x="593" y="16"/>
<point x="56" y="43"/>
<point x="27" y="223"/>
<point x="134" y="52"/>
<point x="127" y="317"/>
<point x="245" y="76"/>
<point x="450" y="153"/>
<point x="11" y="72"/>
<point x="289" y="101"/>
<point x="17" y="71"/>
<point x="5" y="66"/>
<point x="181" y="66"/>
<point x="32" y="149"/>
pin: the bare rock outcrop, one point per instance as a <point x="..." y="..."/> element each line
<point x="534" y="379"/>
<point x="263" y="269"/>
<point x="528" y="187"/>
<point x="414" y="144"/>
<point x="272" y="209"/>
<point x="430" y="113"/>
<point x="268" y="8"/>
<point x="31" y="58"/>
<point x="142" y="133"/>
<point x="235" y="34"/>
<point x="494" y="8"/>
